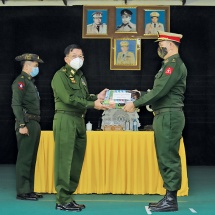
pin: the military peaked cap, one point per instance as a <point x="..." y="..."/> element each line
<point x="168" y="36"/>
<point x="154" y="14"/>
<point x="124" y="43"/>
<point x="29" y="57"/>
<point x="126" y="12"/>
<point x="97" y="14"/>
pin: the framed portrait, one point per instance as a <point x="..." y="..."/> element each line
<point x="125" y="54"/>
<point x="155" y="19"/>
<point x="95" y="22"/>
<point x="126" y="20"/>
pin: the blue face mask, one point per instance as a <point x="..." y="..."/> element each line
<point x="34" y="72"/>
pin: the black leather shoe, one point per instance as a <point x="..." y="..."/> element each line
<point x="67" y="207"/>
<point x="38" y="195"/>
<point x="78" y="205"/>
<point x="27" y="196"/>
<point x="167" y="204"/>
<point x="152" y="204"/>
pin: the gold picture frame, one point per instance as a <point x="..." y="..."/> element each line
<point x="155" y="18"/>
<point x="125" y="54"/>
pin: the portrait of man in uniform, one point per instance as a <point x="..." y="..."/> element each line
<point x="154" y="21"/>
<point x="126" y="52"/>
<point x="96" y="22"/>
<point x="126" y="20"/>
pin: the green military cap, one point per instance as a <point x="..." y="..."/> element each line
<point x="29" y="57"/>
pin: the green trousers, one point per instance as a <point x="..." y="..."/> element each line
<point x="26" y="158"/>
<point x="70" y="145"/>
<point x="168" y="127"/>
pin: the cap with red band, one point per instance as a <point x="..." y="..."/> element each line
<point x="168" y="36"/>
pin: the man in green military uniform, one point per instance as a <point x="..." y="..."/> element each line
<point x="166" y="99"/>
<point x="26" y="108"/>
<point x="72" y="100"/>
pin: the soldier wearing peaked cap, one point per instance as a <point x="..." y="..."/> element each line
<point x="166" y="99"/>
<point x="26" y="108"/>
<point x="126" y="25"/>
<point x="125" y="56"/>
<point x="97" y="27"/>
<point x="154" y="26"/>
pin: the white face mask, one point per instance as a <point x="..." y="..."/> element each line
<point x="76" y="63"/>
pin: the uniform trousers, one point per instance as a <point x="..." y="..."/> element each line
<point x="26" y="158"/>
<point x="70" y="145"/>
<point x="168" y="127"/>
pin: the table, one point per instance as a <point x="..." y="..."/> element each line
<point x="117" y="162"/>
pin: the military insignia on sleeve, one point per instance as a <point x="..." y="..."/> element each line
<point x="168" y="70"/>
<point x="21" y="85"/>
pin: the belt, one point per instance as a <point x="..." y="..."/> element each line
<point x="70" y="113"/>
<point x="33" y="117"/>
<point x="162" y="110"/>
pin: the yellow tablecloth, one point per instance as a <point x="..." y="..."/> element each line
<point x="117" y="162"/>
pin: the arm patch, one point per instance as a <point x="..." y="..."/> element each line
<point x="21" y="85"/>
<point x="169" y="70"/>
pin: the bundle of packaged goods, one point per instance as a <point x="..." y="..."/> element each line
<point x="118" y="98"/>
<point x="115" y="119"/>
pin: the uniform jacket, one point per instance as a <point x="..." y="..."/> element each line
<point x="128" y="27"/>
<point x="24" y="96"/>
<point x="91" y="29"/>
<point x="151" y="29"/>
<point x="70" y="91"/>
<point x="127" y="58"/>
<point x="169" y="86"/>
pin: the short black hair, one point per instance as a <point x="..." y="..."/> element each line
<point x="69" y="48"/>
